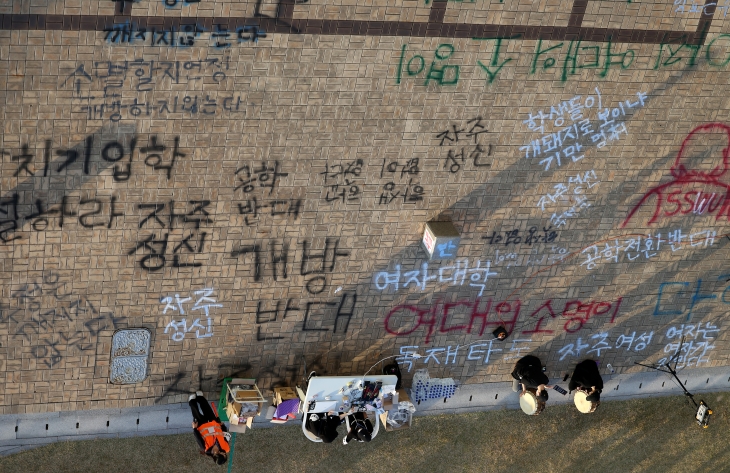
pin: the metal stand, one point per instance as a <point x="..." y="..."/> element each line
<point x="230" y="457"/>
<point x="703" y="411"/>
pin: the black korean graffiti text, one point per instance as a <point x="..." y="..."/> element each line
<point x="55" y="322"/>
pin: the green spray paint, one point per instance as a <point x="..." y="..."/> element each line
<point x="492" y="74"/>
<point x="442" y="74"/>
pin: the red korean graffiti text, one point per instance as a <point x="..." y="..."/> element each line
<point x="475" y="317"/>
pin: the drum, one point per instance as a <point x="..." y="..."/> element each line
<point x="585" y="406"/>
<point x="528" y="402"/>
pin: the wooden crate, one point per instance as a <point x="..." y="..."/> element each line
<point x="239" y="391"/>
<point x="245" y="390"/>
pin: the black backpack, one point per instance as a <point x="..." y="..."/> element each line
<point x="394" y="369"/>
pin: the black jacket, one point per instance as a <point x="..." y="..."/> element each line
<point x="325" y="427"/>
<point x="359" y="423"/>
<point x="585" y="376"/>
<point x="528" y="371"/>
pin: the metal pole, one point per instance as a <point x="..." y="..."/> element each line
<point x="230" y="457"/>
<point x="673" y="371"/>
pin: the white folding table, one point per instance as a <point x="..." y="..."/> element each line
<point x="325" y="391"/>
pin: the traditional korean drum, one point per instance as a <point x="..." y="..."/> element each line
<point x="528" y="402"/>
<point x="584" y="405"/>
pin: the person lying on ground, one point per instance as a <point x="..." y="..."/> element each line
<point x="211" y="434"/>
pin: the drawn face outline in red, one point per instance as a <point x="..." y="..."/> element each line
<point x="680" y="172"/>
<point x="682" y="175"/>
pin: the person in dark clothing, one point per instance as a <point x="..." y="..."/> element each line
<point x="528" y="373"/>
<point x="360" y="428"/>
<point x="324" y="426"/>
<point x="211" y="434"/>
<point x="587" y="379"/>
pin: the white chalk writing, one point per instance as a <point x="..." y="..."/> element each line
<point x="179" y="329"/>
<point x="633" y="248"/>
<point x="566" y="143"/>
<point x="600" y="341"/>
<point x="696" y="347"/>
<point x="455" y="273"/>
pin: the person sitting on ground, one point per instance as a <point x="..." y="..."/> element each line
<point x="586" y="378"/>
<point x="324" y="426"/>
<point x="360" y="428"/>
<point x="211" y="434"/>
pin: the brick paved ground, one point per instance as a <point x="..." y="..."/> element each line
<point x="251" y="183"/>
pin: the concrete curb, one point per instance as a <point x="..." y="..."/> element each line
<point x="20" y="432"/>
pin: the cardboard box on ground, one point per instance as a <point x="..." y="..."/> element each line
<point x="390" y="407"/>
<point x="244" y="401"/>
<point x="284" y="394"/>
<point x="281" y="395"/>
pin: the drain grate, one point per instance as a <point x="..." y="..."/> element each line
<point x="130" y="352"/>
